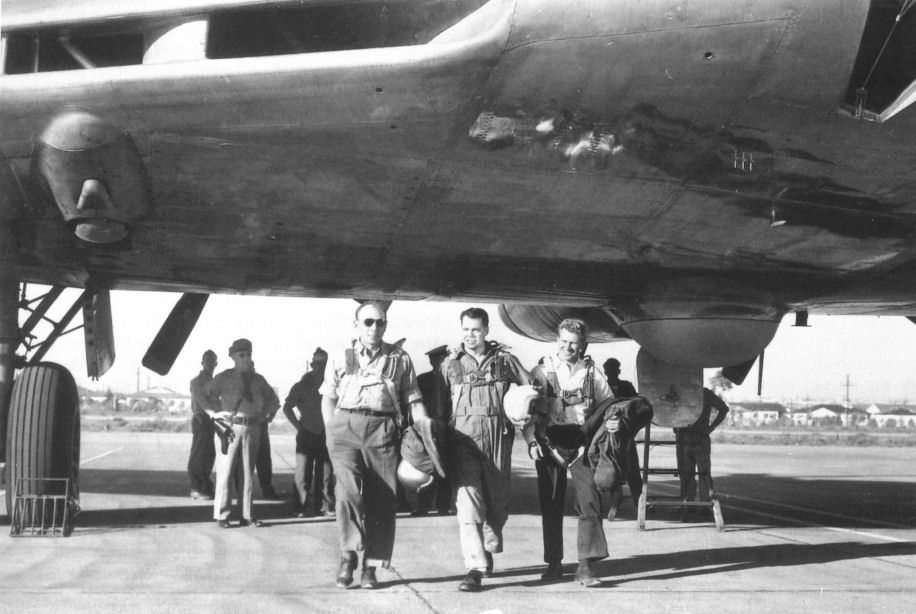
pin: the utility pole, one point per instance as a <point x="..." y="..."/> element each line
<point x="138" y="379"/>
<point x="848" y="386"/>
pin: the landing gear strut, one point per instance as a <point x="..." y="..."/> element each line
<point x="39" y="413"/>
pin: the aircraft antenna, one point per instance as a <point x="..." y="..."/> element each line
<point x="904" y="9"/>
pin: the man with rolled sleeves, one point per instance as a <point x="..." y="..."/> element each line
<point x="573" y="387"/>
<point x="480" y="438"/>
<point x="367" y="387"/>
<point x="203" y="448"/>
<point x="244" y="399"/>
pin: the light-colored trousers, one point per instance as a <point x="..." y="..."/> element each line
<point x="245" y="444"/>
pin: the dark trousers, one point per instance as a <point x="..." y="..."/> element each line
<point x="203" y="453"/>
<point x="693" y="459"/>
<point x="313" y="477"/>
<point x="264" y="465"/>
<point x="441" y="491"/>
<point x="364" y="453"/>
<point x="552" y="497"/>
<point x="590" y="540"/>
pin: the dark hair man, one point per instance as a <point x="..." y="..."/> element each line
<point x="573" y="388"/>
<point x="203" y="449"/>
<point x="366" y="388"/>
<point x="624" y="389"/>
<point x="430" y="385"/>
<point x="244" y="399"/>
<point x="480" y="440"/>
<point x="313" y="476"/>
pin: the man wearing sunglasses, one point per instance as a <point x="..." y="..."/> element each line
<point x="367" y="388"/>
<point x="477" y="377"/>
<point x="245" y="399"/>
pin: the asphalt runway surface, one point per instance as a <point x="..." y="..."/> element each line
<point x="808" y="529"/>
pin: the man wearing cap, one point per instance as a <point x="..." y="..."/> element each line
<point x="431" y="386"/>
<point x="244" y="399"/>
<point x="368" y="387"/>
<point x="203" y="450"/>
<point x="573" y="387"/>
<point x="313" y="476"/>
<point x="477" y="376"/>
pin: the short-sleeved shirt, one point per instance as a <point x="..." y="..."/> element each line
<point x="570" y="378"/>
<point x="623" y="389"/>
<point x="305" y="396"/>
<point x="364" y="389"/>
<point x="229" y="388"/>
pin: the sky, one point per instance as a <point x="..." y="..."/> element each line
<point x="801" y="364"/>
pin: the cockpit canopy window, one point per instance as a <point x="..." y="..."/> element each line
<point x="59" y="49"/>
<point x="334" y="27"/>
<point x="237" y="33"/>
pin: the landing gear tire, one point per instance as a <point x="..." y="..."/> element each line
<point x="43" y="436"/>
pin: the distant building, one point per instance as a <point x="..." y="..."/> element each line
<point x="155" y="399"/>
<point x="755" y="413"/>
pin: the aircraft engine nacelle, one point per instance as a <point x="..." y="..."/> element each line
<point x="539" y="322"/>
<point x="94" y="173"/>
<point x="700" y="334"/>
<point x="686" y="334"/>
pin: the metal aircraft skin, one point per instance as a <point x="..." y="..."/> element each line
<point x="662" y="161"/>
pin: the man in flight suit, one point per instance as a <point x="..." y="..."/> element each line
<point x="244" y="399"/>
<point x="366" y="388"/>
<point x="203" y="449"/>
<point x="573" y="388"/>
<point x="480" y="439"/>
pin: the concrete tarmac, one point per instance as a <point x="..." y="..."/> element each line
<point x="809" y="529"/>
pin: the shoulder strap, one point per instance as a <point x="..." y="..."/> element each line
<point x="352" y="365"/>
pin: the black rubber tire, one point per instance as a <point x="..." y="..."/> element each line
<point x="43" y="432"/>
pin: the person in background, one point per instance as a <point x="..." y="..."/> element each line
<point x="313" y="477"/>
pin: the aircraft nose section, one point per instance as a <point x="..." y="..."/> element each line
<point x="94" y="174"/>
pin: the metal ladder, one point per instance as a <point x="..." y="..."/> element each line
<point x="645" y="501"/>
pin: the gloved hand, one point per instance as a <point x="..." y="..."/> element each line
<point x="613" y="424"/>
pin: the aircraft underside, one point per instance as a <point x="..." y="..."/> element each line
<point x="683" y="174"/>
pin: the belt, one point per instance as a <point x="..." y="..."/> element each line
<point x="244" y="420"/>
<point x="367" y="412"/>
<point x="476" y="410"/>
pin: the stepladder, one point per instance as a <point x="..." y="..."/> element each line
<point x="696" y="487"/>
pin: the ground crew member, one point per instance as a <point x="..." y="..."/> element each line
<point x="244" y="399"/>
<point x="203" y="449"/>
<point x="430" y="383"/>
<point x="366" y="388"/>
<point x="573" y="388"/>
<point x="478" y="374"/>
<point x="313" y="477"/>
<point x="624" y="389"/>
<point x="693" y="448"/>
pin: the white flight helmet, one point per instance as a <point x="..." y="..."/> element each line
<point x="412" y="478"/>
<point x="519" y="404"/>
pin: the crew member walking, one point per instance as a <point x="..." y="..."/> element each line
<point x="573" y="387"/>
<point x="480" y="441"/>
<point x="366" y="388"/>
